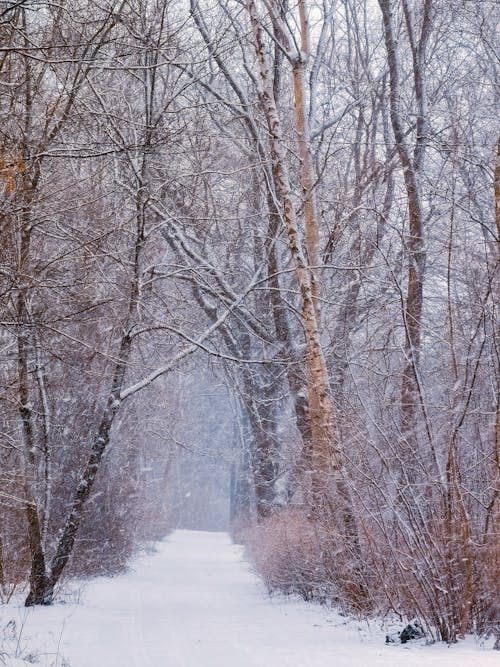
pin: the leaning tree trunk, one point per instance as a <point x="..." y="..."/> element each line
<point x="42" y="589"/>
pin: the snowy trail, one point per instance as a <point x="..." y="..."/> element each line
<point x="196" y="603"/>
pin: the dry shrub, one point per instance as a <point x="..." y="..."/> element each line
<point x="286" y="550"/>
<point x="14" y="552"/>
<point x="427" y="571"/>
<point x="415" y="571"/>
<point x="486" y="610"/>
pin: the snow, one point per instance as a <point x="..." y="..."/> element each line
<point x="195" y="602"/>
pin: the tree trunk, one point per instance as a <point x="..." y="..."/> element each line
<point x="42" y="588"/>
<point x="415" y="250"/>
<point x="327" y="474"/>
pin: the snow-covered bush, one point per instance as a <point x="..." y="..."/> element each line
<point x="286" y="550"/>
<point x="16" y="649"/>
<point x="14" y="554"/>
<point x="407" y="572"/>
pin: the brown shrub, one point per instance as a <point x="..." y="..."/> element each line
<point x="286" y="550"/>
<point x="14" y="553"/>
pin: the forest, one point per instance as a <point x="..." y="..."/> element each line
<point x="254" y="243"/>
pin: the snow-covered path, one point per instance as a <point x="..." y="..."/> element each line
<point x="196" y="603"/>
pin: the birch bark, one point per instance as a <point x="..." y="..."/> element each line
<point x="329" y="489"/>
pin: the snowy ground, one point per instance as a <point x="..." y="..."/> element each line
<point x="196" y="603"/>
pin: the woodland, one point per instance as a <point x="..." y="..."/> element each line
<point x="263" y="233"/>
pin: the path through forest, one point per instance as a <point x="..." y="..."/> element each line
<point x="196" y="603"/>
